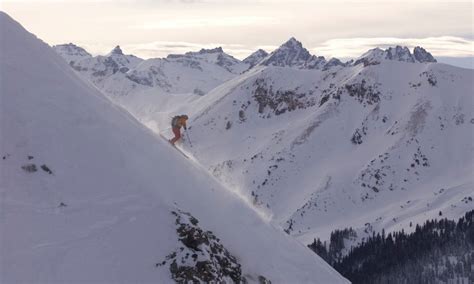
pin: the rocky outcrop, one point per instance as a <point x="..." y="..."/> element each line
<point x="200" y="257"/>
<point x="421" y="55"/>
<point x="279" y="101"/>
<point x="399" y="53"/>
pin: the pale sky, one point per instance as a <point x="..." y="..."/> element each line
<point x="337" y="28"/>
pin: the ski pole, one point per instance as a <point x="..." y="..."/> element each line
<point x="187" y="135"/>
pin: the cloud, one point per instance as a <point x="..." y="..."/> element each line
<point x="446" y="46"/>
<point x="192" y="23"/>
<point x="102" y="1"/>
<point x="164" y="48"/>
<point x="160" y="49"/>
<point x="56" y="1"/>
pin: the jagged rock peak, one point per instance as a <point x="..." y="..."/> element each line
<point x="216" y="50"/>
<point x="291" y="54"/>
<point x="117" y="51"/>
<point x="213" y="50"/>
<point x="293" y="42"/>
<point x="398" y="53"/>
<point x="421" y="55"/>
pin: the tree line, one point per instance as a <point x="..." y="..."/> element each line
<point x="438" y="251"/>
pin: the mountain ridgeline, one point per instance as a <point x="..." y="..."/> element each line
<point x="172" y="74"/>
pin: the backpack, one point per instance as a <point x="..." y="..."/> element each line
<point x="174" y="121"/>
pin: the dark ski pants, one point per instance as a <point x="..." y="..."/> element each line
<point x="177" y="135"/>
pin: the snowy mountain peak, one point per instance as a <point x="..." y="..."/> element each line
<point x="116" y="51"/>
<point x="71" y="51"/>
<point x="371" y="57"/>
<point x="214" y="56"/>
<point x="398" y="53"/>
<point x="293" y="54"/>
<point x="254" y="58"/>
<point x="293" y="43"/>
<point x="421" y="55"/>
<point x="333" y="62"/>
<point x="259" y="53"/>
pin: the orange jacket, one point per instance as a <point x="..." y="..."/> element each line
<point x="181" y="122"/>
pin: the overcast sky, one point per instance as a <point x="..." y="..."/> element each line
<point x="344" y="29"/>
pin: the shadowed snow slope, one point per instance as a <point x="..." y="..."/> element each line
<point x="87" y="192"/>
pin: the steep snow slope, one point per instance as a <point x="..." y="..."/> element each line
<point x="87" y="193"/>
<point x="387" y="144"/>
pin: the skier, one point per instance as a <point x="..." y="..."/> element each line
<point x="176" y="123"/>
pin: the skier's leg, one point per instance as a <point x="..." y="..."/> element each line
<point x="177" y="135"/>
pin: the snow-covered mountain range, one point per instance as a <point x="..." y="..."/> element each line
<point x="380" y="142"/>
<point x="118" y="74"/>
<point x="388" y="144"/>
<point x="88" y="194"/>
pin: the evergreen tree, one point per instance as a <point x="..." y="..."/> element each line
<point x="439" y="250"/>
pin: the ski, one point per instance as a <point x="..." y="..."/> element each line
<point x="174" y="146"/>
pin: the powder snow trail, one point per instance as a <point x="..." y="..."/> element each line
<point x="265" y="215"/>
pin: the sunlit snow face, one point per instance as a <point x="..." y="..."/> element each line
<point x="337" y="28"/>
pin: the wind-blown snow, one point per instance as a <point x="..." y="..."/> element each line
<point x="103" y="213"/>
